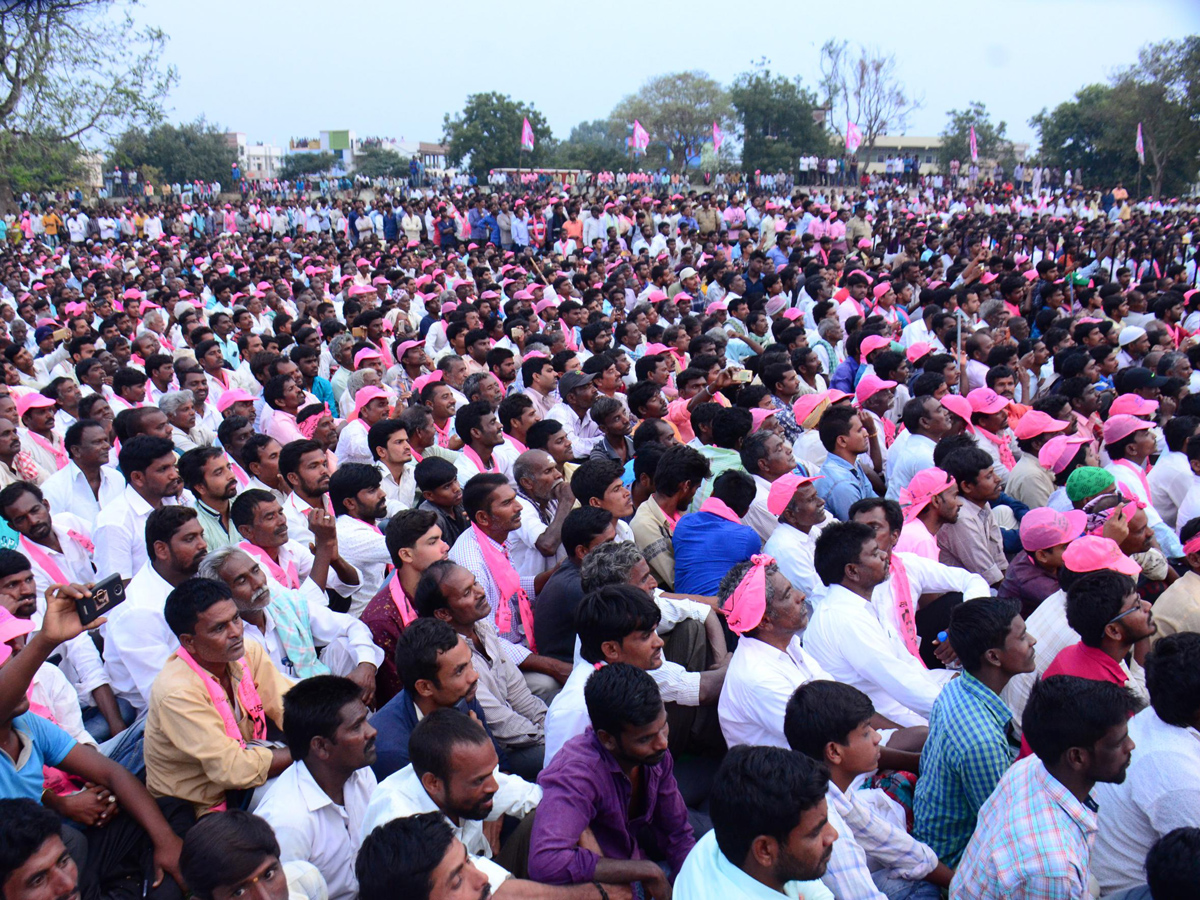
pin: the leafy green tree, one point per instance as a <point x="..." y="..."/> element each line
<point x="487" y="134"/>
<point x="379" y="162"/>
<point x="296" y="165"/>
<point x="1078" y="134"/>
<point x="990" y="139"/>
<point x="36" y="162"/>
<point x="180" y="153"/>
<point x="678" y="111"/>
<point x="595" y="146"/>
<point x="775" y="115"/>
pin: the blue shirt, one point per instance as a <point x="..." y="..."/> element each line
<point x="706" y="547"/>
<point x="841" y="484"/>
<point x="322" y="389"/>
<point x="48" y="746"/>
<point x="395" y="723"/>
<point x="707" y="874"/>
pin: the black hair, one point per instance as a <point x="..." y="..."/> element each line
<point x="823" y="712"/>
<point x="163" y="522"/>
<point x="377" y="437"/>
<point x="1173" y="678"/>
<point x="839" y="545"/>
<point x="405" y="528"/>
<point x="965" y="465"/>
<point x="348" y="481"/>
<point x="433" y="472"/>
<point x="469" y="417"/>
<point x="191" y="465"/>
<point x="1178" y="430"/>
<point x="478" y="491"/>
<point x="245" y="505"/>
<point x="582" y="526"/>
<point x="835" y="422"/>
<point x="254" y="446"/>
<point x="513" y="407"/>
<point x="1094" y="600"/>
<point x="612" y="613"/>
<point x="294" y="451"/>
<point x="431" y="744"/>
<point x="428" y="597"/>
<point x="892" y="513"/>
<point x="593" y="478"/>
<point x="228" y="426"/>
<point x="224" y="850"/>
<point x="140" y="452"/>
<point x="418" y="649"/>
<point x="678" y="464"/>
<point x="621" y="695"/>
<point x="1064" y="712"/>
<point x="735" y="489"/>
<point x="640" y="394"/>
<point x="313" y="708"/>
<point x="532" y="367"/>
<point x="399" y="857"/>
<point x="13" y="492"/>
<point x="731" y="426"/>
<point x="645" y="462"/>
<point x="25" y="825"/>
<point x="539" y="433"/>
<point x="1173" y="865"/>
<point x="186" y="602"/>
<point x="980" y="625"/>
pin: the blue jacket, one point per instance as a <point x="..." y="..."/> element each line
<point x="395" y="723"/>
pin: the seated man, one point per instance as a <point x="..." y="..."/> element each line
<point x="414" y="541"/>
<point x="770" y="828"/>
<point x="853" y="642"/>
<point x="515" y="717"/>
<point x="357" y="497"/>
<point x="1033" y="574"/>
<point x="710" y="541"/>
<point x="291" y="627"/>
<point x="585" y="529"/>
<point x="973" y="541"/>
<point x="600" y="482"/>
<point x="455" y="772"/>
<point x="874" y="855"/>
<point x="843" y="481"/>
<point x="972" y="740"/>
<point x="626" y="745"/>
<point x="677" y="476"/>
<point x="316" y="806"/>
<point x="801" y="512"/>
<point x="435" y="664"/>
<point x="198" y="748"/>
<point x="235" y="854"/>
<point x="441" y="493"/>
<point x="1034" y="836"/>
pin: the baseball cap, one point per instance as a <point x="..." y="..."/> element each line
<point x="1122" y="426"/>
<point x="1043" y="528"/>
<point x="364" y="396"/>
<point x="871" y="343"/>
<point x="1092" y="553"/>
<point x="11" y="627"/>
<point x="365" y="353"/>
<point x="918" y="350"/>
<point x="869" y="386"/>
<point x="923" y="487"/>
<point x="1056" y="454"/>
<point x="1036" y="422"/>
<point x="31" y="400"/>
<point x="230" y="397"/>
<point x="1133" y="405"/>
<point x="571" y="381"/>
<point x="1138" y="378"/>
<point x="1087" y="482"/>
<point x="687" y="272"/>
<point x="782" y="491"/>
<point x="985" y="400"/>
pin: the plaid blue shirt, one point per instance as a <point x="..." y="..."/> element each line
<point x="970" y="747"/>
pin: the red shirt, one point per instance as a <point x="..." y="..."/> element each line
<point x="1082" y="661"/>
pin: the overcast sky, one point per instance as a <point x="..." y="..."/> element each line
<point x="292" y="68"/>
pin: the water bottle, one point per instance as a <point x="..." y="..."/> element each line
<point x="955" y="665"/>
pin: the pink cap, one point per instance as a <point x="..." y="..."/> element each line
<point x="656" y="296"/>
<point x="760" y="415"/>
<point x="359" y="289"/>
<point x="783" y="489"/>
<point x="362" y="264"/>
<point x="922" y="488"/>
<point x="833" y="395"/>
<point x="1056" y="454"/>
<point x="917" y="350"/>
<point x="405" y="346"/>
<point x="882" y="288"/>
<point x="230" y="397"/>
<point x="31" y="400"/>
<point x="1036" y="422"/>
<point x="131" y="294"/>
<point x="1043" y="528"/>
<point x="807" y="404"/>
<point x="869" y="386"/>
<point x="1092" y="553"/>
<point x="715" y="306"/>
<point x="792" y="314"/>
<point x="985" y="400"/>
<point x="871" y="343"/>
<point x="959" y="405"/>
<point x="420" y="382"/>
<point x="366" y="395"/>
<point x="1133" y="405"/>
<point x="1119" y="427"/>
<point x="988" y="278"/>
<point x="11" y="627"/>
<point x="365" y="353"/>
<point x="542" y="305"/>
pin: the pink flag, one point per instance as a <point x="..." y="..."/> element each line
<point x="526" y="136"/>
<point x="974" y="146"/>
<point x="718" y="137"/>
<point x="641" y="137"/>
<point x="854" y="138"/>
<point x="1141" y="148"/>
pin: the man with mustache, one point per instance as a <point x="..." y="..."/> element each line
<point x="206" y="726"/>
<point x="137" y="639"/>
<point x="317" y="805"/>
<point x="291" y="627"/>
<point x="151" y="481"/>
<point x="356" y="494"/>
<point x="206" y="472"/>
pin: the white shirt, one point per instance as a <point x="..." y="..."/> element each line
<point x="51" y="689"/>
<point x="758" y="516"/>
<point x="120" y="534"/>
<point x="68" y="489"/>
<point x="584" y="433"/>
<point x="401" y="495"/>
<point x="363" y="547"/>
<point x="1161" y="792"/>
<point x="526" y="558"/>
<point x="352" y="444"/>
<point x="137" y="641"/>
<point x="401" y="794"/>
<point x="758" y="684"/>
<point x="310" y="826"/>
<point x="296" y="511"/>
<point x="792" y="551"/>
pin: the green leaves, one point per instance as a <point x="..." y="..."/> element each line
<point x="487" y="134"/>
<point x="178" y="153"/>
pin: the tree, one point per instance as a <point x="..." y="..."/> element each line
<point x="775" y="116"/>
<point x="73" y="70"/>
<point x="179" y="153"/>
<point x="487" y="134"/>
<point x="989" y="139"/>
<point x="865" y="90"/>
<point x="595" y="146"/>
<point x="297" y="165"/>
<point x="678" y="111"/>
<point x="1079" y="134"/>
<point x="379" y="162"/>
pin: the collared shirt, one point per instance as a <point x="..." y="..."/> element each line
<point x="216" y="534"/>
<point x="916" y="539"/>
<point x="42" y="743"/>
<point x="970" y="746"/>
<point x="1083" y="661"/>
<point x="395" y="721"/>
<point x="402" y="494"/>
<point x="1170" y="480"/>
<point x="526" y="558"/>
<point x="706" y="547"/>
<point x="906" y="459"/>
<point x="352" y="444"/>
<point x="542" y="402"/>
<point x="514" y="715"/>
<point x="310" y="826"/>
<point x="758" y="516"/>
<point x="1161" y="792"/>
<point x="974" y="543"/>
<point x="402" y="794"/>
<point x="842" y="483"/>
<point x="1178" y="608"/>
<point x="466" y="553"/>
<point x="188" y="753"/>
<point x="1029" y="482"/>
<point x="68" y="490"/>
<point x="296" y="511"/>
<point x="583" y="432"/>
<point x="362" y="545"/>
<point x="793" y="552"/>
<point x="584" y="788"/>
<point x="652" y="532"/>
<point x="137" y="640"/>
<point x="758" y="684"/>
<point x="707" y="874"/>
<point x="1033" y="841"/>
<point x="554" y="612"/>
<point x="120" y="534"/>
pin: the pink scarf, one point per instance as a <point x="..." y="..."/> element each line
<point x="38" y="554"/>
<point x="289" y="579"/>
<point x="477" y="460"/>
<point x="61" y="458"/>
<point x="568" y="335"/>
<point x="508" y="582"/>
<point x="403" y="604"/>
<point x="905" y="620"/>
<point x="521" y="448"/>
<point x="1139" y="472"/>
<point x="1002" y="447"/>
<point x="719" y="508"/>
<point x="239" y="473"/>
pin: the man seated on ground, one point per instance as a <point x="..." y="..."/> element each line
<point x="770" y="827"/>
<point x="198" y="748"/>
<point x="455" y="772"/>
<point x="358" y="501"/>
<point x="677" y="476"/>
<point x="585" y="529"/>
<point x="626" y="745"/>
<point x="515" y="717"/>
<point x="767" y="457"/>
<point x="972" y="740"/>
<point x="1034" y="835"/>
<point x="414" y="542"/>
<point x="857" y="645"/>
<point x="801" y="512"/>
<point x="874" y="855"/>
<point x="600" y="482"/>
<point x="545" y="499"/>
<point x="316" y="806"/>
<point x="710" y="541"/>
<point x="843" y="480"/>
<point x="441" y="494"/>
<point x="1032" y="576"/>
<point x="930" y="501"/>
<point x="434" y="664"/>
<point x="291" y="628"/>
<point x="973" y="540"/>
<point x="494" y="512"/>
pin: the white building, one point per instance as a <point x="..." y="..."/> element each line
<point x="926" y="148"/>
<point x="256" y="160"/>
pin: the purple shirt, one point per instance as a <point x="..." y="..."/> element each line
<point x="584" y="787"/>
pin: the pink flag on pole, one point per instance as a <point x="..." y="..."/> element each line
<point x="718" y="137"/>
<point x="854" y="138"/>
<point x="974" y="146"/>
<point x="526" y="136"/>
<point x="1141" y="148"/>
<point x="641" y="137"/>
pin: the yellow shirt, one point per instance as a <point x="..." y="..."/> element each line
<point x="188" y="754"/>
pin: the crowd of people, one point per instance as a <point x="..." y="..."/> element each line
<point x="602" y="544"/>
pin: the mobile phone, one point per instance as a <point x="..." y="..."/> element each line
<point x="518" y="331"/>
<point x="742" y="376"/>
<point x="62" y="335"/>
<point x="359" y="332"/>
<point x="105" y="595"/>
